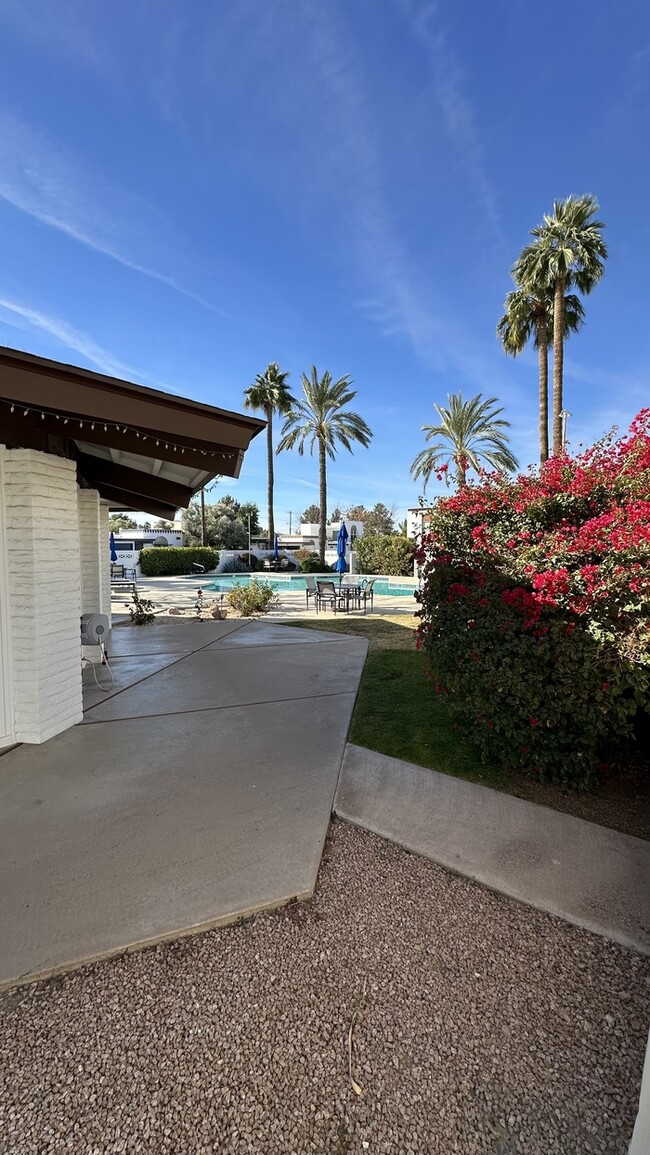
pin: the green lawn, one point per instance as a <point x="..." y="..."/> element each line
<point x="397" y="713"/>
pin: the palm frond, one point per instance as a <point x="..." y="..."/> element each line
<point x="469" y="431"/>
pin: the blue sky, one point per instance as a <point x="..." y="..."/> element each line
<point x="189" y="191"/>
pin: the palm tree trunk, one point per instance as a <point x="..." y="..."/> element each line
<point x="269" y="491"/>
<point x="461" y="470"/>
<point x="542" y="349"/>
<point x="322" y="478"/>
<point x="558" y="362"/>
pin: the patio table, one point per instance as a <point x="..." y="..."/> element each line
<point x="349" y="593"/>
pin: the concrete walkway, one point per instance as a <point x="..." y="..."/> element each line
<point x="197" y="791"/>
<point x="587" y="874"/>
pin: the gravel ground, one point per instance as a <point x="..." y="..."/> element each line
<point x="484" y="1027"/>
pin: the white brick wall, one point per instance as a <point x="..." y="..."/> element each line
<point x="43" y="563"/>
<point x="7" y="737"/>
<point x="94" y="560"/>
<point x="105" y="566"/>
<point x="89" y="548"/>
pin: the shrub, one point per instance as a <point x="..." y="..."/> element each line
<point x="312" y="563"/>
<point x="254" y="598"/>
<point x="389" y="554"/>
<point x="141" y="610"/>
<point x="236" y="565"/>
<point x="173" y="560"/>
<point x="535" y="608"/>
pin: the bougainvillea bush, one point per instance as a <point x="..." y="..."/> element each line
<point x="535" y="608"/>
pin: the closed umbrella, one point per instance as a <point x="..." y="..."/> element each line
<point x="341" y="543"/>
<point x="111" y="542"/>
<point x="276" y="552"/>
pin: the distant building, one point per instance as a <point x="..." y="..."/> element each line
<point x="129" y="542"/>
<point x="416" y="522"/>
<point x="308" y="536"/>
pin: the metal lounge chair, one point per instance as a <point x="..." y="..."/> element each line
<point x="367" y="594"/>
<point x="311" y="589"/>
<point x="327" y="594"/>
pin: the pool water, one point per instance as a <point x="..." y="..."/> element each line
<point x="221" y="583"/>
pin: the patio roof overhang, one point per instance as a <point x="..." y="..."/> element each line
<point x="142" y="449"/>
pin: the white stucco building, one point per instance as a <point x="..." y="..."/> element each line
<point x="416" y="521"/>
<point x="72" y="444"/>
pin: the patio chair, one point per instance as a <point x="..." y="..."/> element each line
<point x="327" y="593"/>
<point x="367" y="594"/>
<point x="311" y="589"/>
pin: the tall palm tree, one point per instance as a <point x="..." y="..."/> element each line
<point x="568" y="251"/>
<point x="469" y="431"/>
<point x="529" y="314"/>
<point x="318" y="419"/>
<point x="270" y="393"/>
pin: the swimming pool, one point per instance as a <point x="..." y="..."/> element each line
<point x="293" y="583"/>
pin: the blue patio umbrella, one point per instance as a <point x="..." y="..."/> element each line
<point x="276" y="552"/>
<point x="341" y="542"/>
<point x="111" y="542"/>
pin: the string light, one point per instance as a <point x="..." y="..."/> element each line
<point x="119" y="429"/>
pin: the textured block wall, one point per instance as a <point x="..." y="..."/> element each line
<point x="105" y="563"/>
<point x="43" y="562"/>
<point x="93" y="550"/>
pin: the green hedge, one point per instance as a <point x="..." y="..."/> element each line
<point x="389" y="554"/>
<point x="166" y="561"/>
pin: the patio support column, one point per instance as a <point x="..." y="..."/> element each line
<point x="94" y="560"/>
<point x="44" y="595"/>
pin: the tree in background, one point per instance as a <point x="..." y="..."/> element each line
<point x="568" y="252"/>
<point x="270" y="393"/>
<point x="356" y="513"/>
<point x="226" y="523"/>
<point x="120" y="521"/>
<point x="311" y="516"/>
<point x="163" y="524"/>
<point x="319" y="419"/>
<point x="378" y="521"/>
<point x="336" y="514"/>
<point x="389" y="554"/>
<point x="529" y="315"/>
<point x="469" y="432"/>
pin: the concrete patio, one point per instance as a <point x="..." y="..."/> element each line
<point x="196" y="791"/>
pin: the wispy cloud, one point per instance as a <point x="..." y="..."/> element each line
<point x="401" y="302"/>
<point x="304" y="482"/>
<point x="55" y="188"/>
<point x="24" y="318"/>
<point x="457" y="110"/>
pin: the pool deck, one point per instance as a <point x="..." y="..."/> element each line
<point x="180" y="592"/>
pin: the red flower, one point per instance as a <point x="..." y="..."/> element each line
<point x="534" y="721"/>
